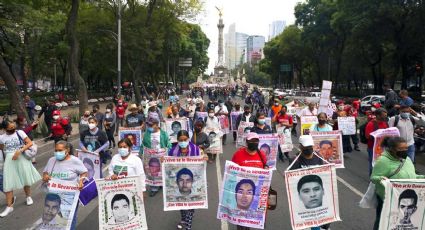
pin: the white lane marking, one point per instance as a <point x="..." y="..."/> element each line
<point x="349" y="186"/>
<point x="224" y="225"/>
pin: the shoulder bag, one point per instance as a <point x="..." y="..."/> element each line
<point x="31" y="151"/>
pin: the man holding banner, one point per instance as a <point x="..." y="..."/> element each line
<point x="380" y="122"/>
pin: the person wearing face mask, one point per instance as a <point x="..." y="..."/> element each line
<point x="120" y="112"/>
<point x="308" y="158"/>
<point x="405" y="123"/>
<point x="310" y="110"/>
<point x="100" y="117"/>
<point x="380" y="122"/>
<point x="275" y="108"/>
<point x="84" y="122"/>
<point x="392" y="164"/>
<point x="246" y="116"/>
<point x="212" y="122"/>
<point x="185" y="148"/>
<point x="282" y="119"/>
<point x="343" y="111"/>
<point x="154" y="108"/>
<point x="60" y="128"/>
<point x="65" y="166"/>
<point x="260" y="126"/>
<point x="154" y="138"/>
<point x="239" y="110"/>
<point x="18" y="172"/>
<point x="95" y="140"/>
<point x="200" y="139"/>
<point x="221" y="110"/>
<point x="109" y="124"/>
<point x="323" y="125"/>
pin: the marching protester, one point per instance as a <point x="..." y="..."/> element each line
<point x="126" y="164"/>
<point x="200" y="107"/>
<point x="405" y="100"/>
<point x="246" y="116"/>
<point x="275" y="108"/>
<point x="341" y="112"/>
<point x="47" y="109"/>
<point x="84" y="122"/>
<point x="394" y="163"/>
<point x="200" y="138"/>
<point x="282" y="119"/>
<point x="100" y="117"/>
<point x="109" y="124"/>
<point x="221" y="110"/>
<point x="18" y="171"/>
<point x="212" y="122"/>
<point x="22" y="124"/>
<point x="174" y="112"/>
<point x="237" y="108"/>
<point x="310" y="110"/>
<point x="154" y="138"/>
<point x="95" y="140"/>
<point x="323" y="125"/>
<point x="30" y="105"/>
<point x="380" y="122"/>
<point x="154" y="108"/>
<point x="250" y="156"/>
<point x="134" y="119"/>
<point x="65" y="166"/>
<point x="185" y="148"/>
<point x="60" y="128"/>
<point x="260" y="126"/>
<point x="391" y="100"/>
<point x="120" y="112"/>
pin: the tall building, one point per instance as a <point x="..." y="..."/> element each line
<point x="276" y="28"/>
<point x="235" y="46"/>
<point x="254" y="48"/>
<point x="241" y="40"/>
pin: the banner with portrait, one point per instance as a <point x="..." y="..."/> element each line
<point x="312" y="196"/>
<point x="135" y="136"/>
<point x="233" y="120"/>
<point x="185" y="183"/>
<point x="379" y="136"/>
<point x="404" y="205"/>
<point x="306" y="123"/>
<point x="224" y="124"/>
<point x="201" y="115"/>
<point x="214" y="137"/>
<point x="244" y="195"/>
<point x="347" y="125"/>
<point x="269" y="144"/>
<point x="121" y="204"/>
<point x="285" y="138"/>
<point x="243" y="129"/>
<point x="60" y="203"/>
<point x="152" y="165"/>
<point x="329" y="146"/>
<point x="92" y="163"/>
<point x="173" y="126"/>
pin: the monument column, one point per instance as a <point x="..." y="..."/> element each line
<point x="220" y="27"/>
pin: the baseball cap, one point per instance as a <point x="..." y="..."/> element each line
<point x="251" y="136"/>
<point x="56" y="112"/>
<point x="306" y="140"/>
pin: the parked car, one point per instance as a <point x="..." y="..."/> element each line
<point x="366" y="102"/>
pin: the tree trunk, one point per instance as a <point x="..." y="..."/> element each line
<point x="80" y="85"/>
<point x="16" y="99"/>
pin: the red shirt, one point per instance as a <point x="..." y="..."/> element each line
<point x="243" y="158"/>
<point x="120" y="111"/>
<point x="57" y="127"/>
<point x="370" y="127"/>
<point x="356" y="104"/>
<point x="284" y="119"/>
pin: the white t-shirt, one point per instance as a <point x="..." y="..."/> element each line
<point x="69" y="170"/>
<point x="11" y="142"/>
<point x="156" y="140"/>
<point x="222" y="108"/>
<point x="131" y="166"/>
<point x="306" y="112"/>
<point x="212" y="123"/>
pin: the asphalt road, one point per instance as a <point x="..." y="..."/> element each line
<point x="352" y="182"/>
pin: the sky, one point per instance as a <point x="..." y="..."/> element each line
<point x="250" y="16"/>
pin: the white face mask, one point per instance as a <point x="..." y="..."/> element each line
<point x="211" y="115"/>
<point x="56" y="117"/>
<point x="108" y="110"/>
<point x="92" y="126"/>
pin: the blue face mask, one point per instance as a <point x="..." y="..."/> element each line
<point x="123" y="152"/>
<point x="150" y="129"/>
<point x="261" y="121"/>
<point x="404" y="115"/>
<point x="183" y="144"/>
<point x="60" y="155"/>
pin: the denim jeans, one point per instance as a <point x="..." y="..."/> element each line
<point x="369" y="158"/>
<point x="411" y="152"/>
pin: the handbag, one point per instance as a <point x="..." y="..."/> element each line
<point x="89" y="192"/>
<point x="272" y="197"/>
<point x="369" y="199"/>
<point x="31" y="151"/>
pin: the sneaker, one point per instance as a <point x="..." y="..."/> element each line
<point x="6" y="212"/>
<point x="29" y="201"/>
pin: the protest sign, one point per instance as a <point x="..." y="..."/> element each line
<point x="233" y="120"/>
<point x="216" y="145"/>
<point x="379" y="136"/>
<point x="306" y="123"/>
<point x="285" y="139"/>
<point x="121" y="204"/>
<point x="185" y="183"/>
<point x="224" y="124"/>
<point x="244" y="194"/>
<point x="60" y="203"/>
<point x="92" y="163"/>
<point x="347" y="125"/>
<point x="325" y="97"/>
<point x="404" y="205"/>
<point x="329" y="146"/>
<point x="312" y="196"/>
<point x="152" y="165"/>
<point x="201" y="115"/>
<point x="173" y="126"/>
<point x="243" y="129"/>
<point x="269" y="144"/>
<point x="135" y="136"/>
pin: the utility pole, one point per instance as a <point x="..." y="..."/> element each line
<point x="119" y="48"/>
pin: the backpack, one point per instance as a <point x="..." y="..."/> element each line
<point x="362" y="132"/>
<point x="397" y="118"/>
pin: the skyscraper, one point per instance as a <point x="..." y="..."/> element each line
<point x="254" y="47"/>
<point x="276" y="28"/>
<point x="235" y="46"/>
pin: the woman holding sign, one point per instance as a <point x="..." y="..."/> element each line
<point x="185" y="148"/>
<point x="393" y="164"/>
<point x="94" y="140"/>
<point x="65" y="166"/>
